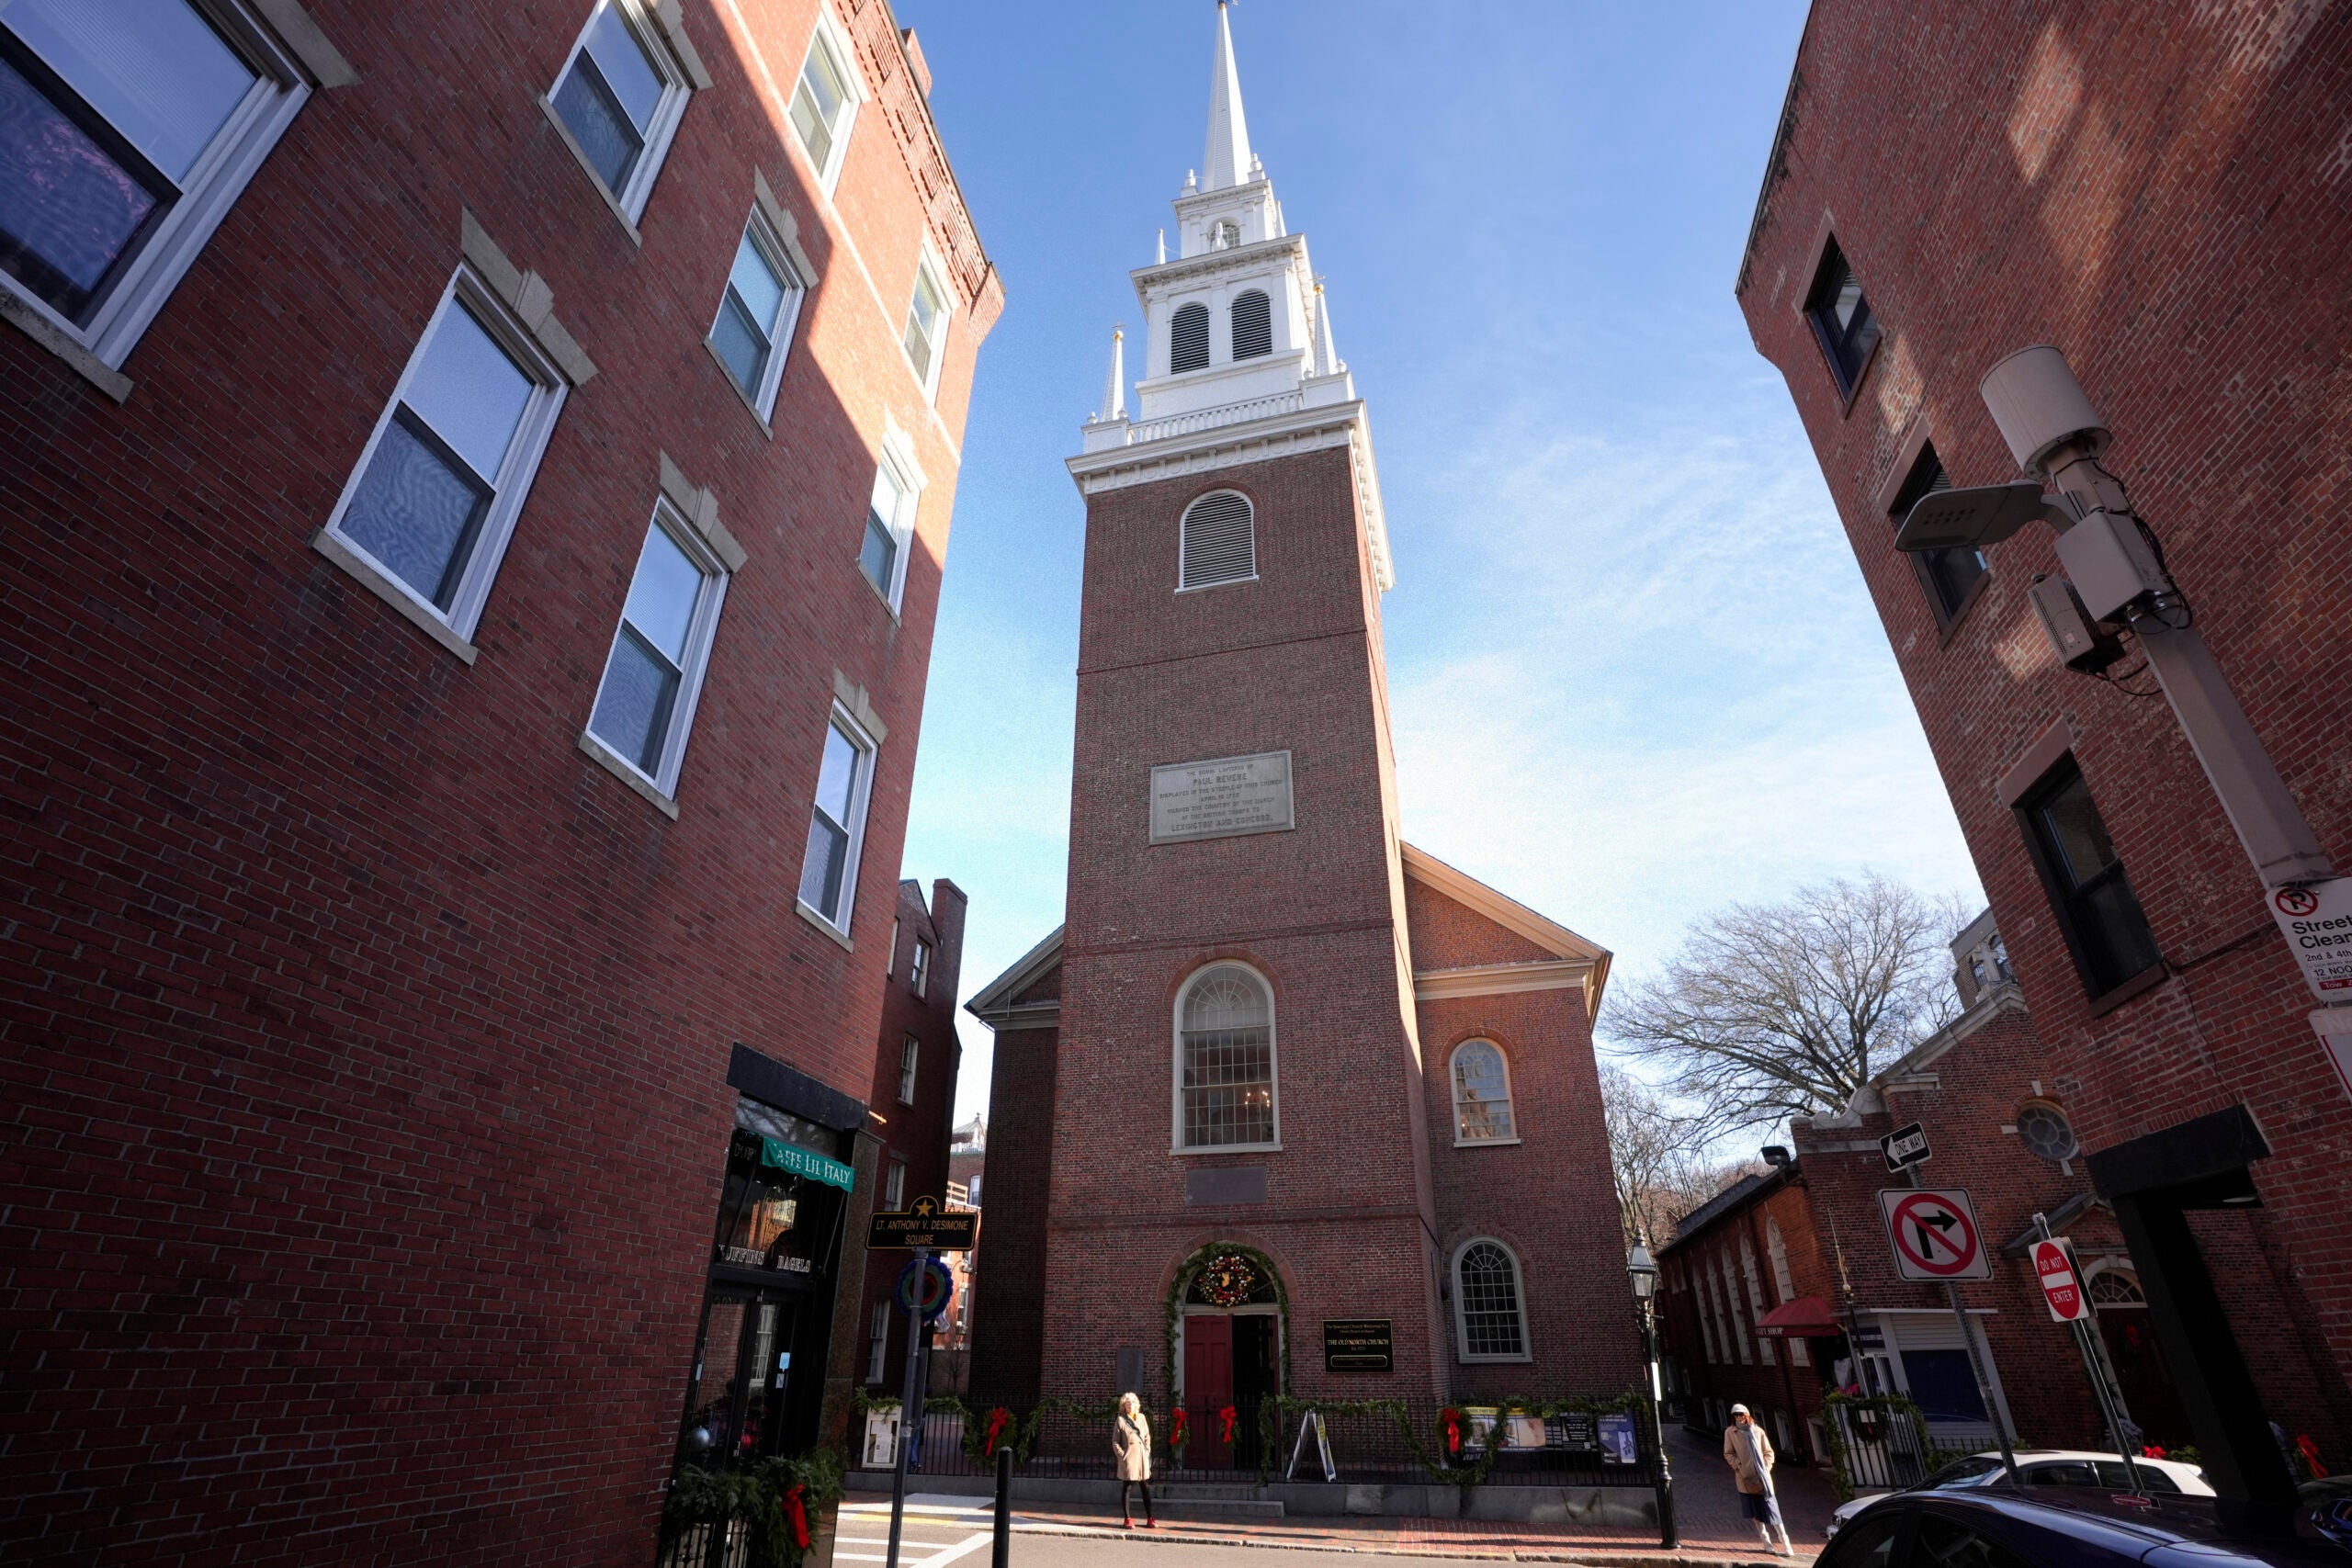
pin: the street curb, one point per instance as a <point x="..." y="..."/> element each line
<point x="1506" y="1554"/>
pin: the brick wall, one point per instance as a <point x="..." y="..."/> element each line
<point x="2167" y="204"/>
<point x="367" y="1043"/>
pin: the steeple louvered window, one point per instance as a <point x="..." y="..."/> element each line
<point x="1219" y="542"/>
<point x="1188" y="339"/>
<point x="1253" y="325"/>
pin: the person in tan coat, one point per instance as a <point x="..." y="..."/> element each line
<point x="1749" y="1453"/>
<point x="1131" y="1443"/>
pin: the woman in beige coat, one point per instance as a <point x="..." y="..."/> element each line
<point x="1749" y="1453"/>
<point x="1131" y="1442"/>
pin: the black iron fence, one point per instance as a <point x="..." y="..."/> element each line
<point x="1406" y="1442"/>
<point x="1881" y="1443"/>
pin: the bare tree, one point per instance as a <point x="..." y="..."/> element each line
<point x="1659" y="1154"/>
<point x="1785" y="1010"/>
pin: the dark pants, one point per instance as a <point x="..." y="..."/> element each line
<point x="1125" y="1489"/>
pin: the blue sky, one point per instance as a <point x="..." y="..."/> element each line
<point x="1634" y="672"/>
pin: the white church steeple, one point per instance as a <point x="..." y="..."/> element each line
<point x="1228" y="162"/>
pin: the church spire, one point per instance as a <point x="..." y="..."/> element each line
<point x="1229" y="162"/>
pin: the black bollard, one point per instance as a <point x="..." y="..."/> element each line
<point x="1001" y="1553"/>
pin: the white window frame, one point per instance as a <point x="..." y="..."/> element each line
<point x="861" y="794"/>
<point x="676" y="88"/>
<point x="1176" y="1143"/>
<point x="828" y="35"/>
<point x="214" y="182"/>
<point x="910" y="1064"/>
<point x="877" y="1342"/>
<point x="927" y="263"/>
<point x="918" y="970"/>
<point x="1461" y="1310"/>
<point x="700" y="634"/>
<point x="510" y="486"/>
<point x="1511" y="1095"/>
<point x="772" y="249"/>
<point x="894" y="1185"/>
<point x="898" y="458"/>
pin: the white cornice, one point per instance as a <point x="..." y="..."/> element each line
<point x="1211" y="263"/>
<point x="1502" y="979"/>
<point x="995" y="1005"/>
<point x="1511" y="915"/>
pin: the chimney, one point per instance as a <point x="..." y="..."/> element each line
<point x="915" y="62"/>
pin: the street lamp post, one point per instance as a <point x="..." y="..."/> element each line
<point x="1642" y="1272"/>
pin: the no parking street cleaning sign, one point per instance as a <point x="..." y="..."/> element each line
<point x="1934" y="1234"/>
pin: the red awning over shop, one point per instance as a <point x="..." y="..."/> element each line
<point x="1807" y="1317"/>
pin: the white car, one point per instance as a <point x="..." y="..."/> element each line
<point x="2046" y="1467"/>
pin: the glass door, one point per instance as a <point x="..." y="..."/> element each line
<point x="743" y="1376"/>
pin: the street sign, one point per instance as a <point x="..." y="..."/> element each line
<point x="1904" y="1147"/>
<point x="1934" y="1234"/>
<point x="2316" y="919"/>
<point x="925" y="1224"/>
<point x="2061" y="1283"/>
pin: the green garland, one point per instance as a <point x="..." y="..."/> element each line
<point x="761" y="1496"/>
<point x="1888" y="1404"/>
<point x="1020" y="1433"/>
<point x="1184" y="1272"/>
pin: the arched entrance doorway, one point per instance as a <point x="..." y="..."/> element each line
<point x="2125" y="1325"/>
<point x="1230" y="1337"/>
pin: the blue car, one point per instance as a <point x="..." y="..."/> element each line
<point x="2062" y="1527"/>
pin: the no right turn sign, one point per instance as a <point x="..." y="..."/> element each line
<point x="1934" y="1234"/>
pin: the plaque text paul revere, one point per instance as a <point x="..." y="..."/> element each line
<point x="1221" y="798"/>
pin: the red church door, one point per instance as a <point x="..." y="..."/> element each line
<point x="1208" y="1388"/>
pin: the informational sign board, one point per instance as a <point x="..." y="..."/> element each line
<point x="1934" y="1234"/>
<point x="1617" y="1439"/>
<point x="925" y="1224"/>
<point x="1359" y="1344"/>
<point x="881" y="1449"/>
<point x="1312" y="1422"/>
<point x="2061" y="1283"/>
<point x="1575" y="1431"/>
<point x="2317" y="921"/>
<point x="1904" y="1147"/>
<point x="1221" y="798"/>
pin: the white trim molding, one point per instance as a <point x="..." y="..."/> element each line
<point x="1503" y="979"/>
<point x="1176" y="1143"/>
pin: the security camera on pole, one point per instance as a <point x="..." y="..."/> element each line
<point x="2116" y="583"/>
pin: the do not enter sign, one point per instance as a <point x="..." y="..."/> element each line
<point x="1934" y="1234"/>
<point x="2053" y="1264"/>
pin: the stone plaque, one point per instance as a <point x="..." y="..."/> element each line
<point x="1221" y="798"/>
<point x="1226" y="1184"/>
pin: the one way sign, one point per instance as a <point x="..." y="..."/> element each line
<point x="1934" y="1234"/>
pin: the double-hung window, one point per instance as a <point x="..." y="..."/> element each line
<point x="1950" y="576"/>
<point x="926" y="326"/>
<point x="2098" y="912"/>
<point x="909" y="1054"/>
<point x="1841" y="318"/>
<point x="824" y="101"/>
<point x="894" y="1186"/>
<point x="889" y="519"/>
<point x="620" y="95"/>
<point x="127" y="131"/>
<point x="918" y="977"/>
<point x="756" y="311"/>
<point x="837" y="823"/>
<point x="435" y="497"/>
<point x="653" y="675"/>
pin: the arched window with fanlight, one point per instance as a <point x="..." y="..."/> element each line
<point x="1489" y="1312"/>
<point x="1188" y="339"/>
<point x="1225" y="1060"/>
<point x="1482" y="1107"/>
<point x="1218" y="542"/>
<point x="1253" y="325"/>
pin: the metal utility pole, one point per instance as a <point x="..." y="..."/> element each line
<point x="909" y="1415"/>
<point x="1975" y="1359"/>
<point x="2102" y="1375"/>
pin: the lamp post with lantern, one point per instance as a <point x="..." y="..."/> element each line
<point x="1642" y="1270"/>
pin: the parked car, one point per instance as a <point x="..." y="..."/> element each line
<point x="2059" y="1527"/>
<point x="2047" y="1467"/>
<point x="2328" y="1505"/>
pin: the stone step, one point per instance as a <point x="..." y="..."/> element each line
<point x="1234" y="1508"/>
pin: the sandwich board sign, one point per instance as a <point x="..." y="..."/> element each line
<point x="1934" y="1234"/>
<point x="2061" y="1283"/>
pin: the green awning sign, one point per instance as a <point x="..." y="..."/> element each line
<point x="803" y="1162"/>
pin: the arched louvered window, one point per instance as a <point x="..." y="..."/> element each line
<point x="1188" y="339"/>
<point x="1225" y="1059"/>
<point x="1220" y="544"/>
<point x="1253" y="325"/>
<point x="1489" y="1322"/>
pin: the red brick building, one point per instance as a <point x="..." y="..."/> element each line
<point x="1950" y="183"/>
<point x="913" y="1100"/>
<point x="476" y="494"/>
<point x="1282" y="1082"/>
<point x="1783" y="1286"/>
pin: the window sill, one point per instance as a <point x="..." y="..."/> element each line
<point x="736" y="387"/>
<point x="596" y="180"/>
<point x="1183" y="1151"/>
<point x="2139" y="985"/>
<point x="1470" y="1361"/>
<point x="1486" y="1142"/>
<point x="822" y="924"/>
<point x="392" y="594"/>
<point x="1222" y="582"/>
<point x="612" y="764"/>
<point x="896" y="618"/>
<point x="50" y="336"/>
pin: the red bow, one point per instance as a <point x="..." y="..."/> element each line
<point x="2151" y="1452"/>
<point x="1226" y="1415"/>
<point x="2310" y="1452"/>
<point x="997" y="1418"/>
<point x="797" y="1514"/>
<point x="1452" y="1419"/>
<point x="1176" y="1435"/>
